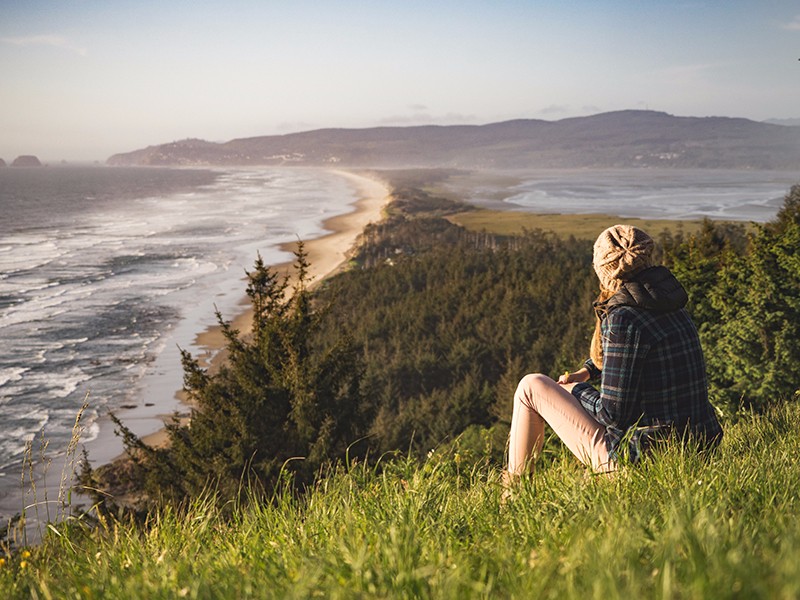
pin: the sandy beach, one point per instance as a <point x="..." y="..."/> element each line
<point x="326" y="254"/>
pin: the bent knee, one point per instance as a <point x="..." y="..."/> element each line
<point x="533" y="382"/>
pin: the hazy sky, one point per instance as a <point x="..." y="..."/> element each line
<point x="83" y="79"/>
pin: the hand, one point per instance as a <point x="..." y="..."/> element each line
<point x="578" y="376"/>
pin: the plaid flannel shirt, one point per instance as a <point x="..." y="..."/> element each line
<point x="653" y="380"/>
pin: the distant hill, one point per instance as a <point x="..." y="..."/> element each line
<point x="620" y="139"/>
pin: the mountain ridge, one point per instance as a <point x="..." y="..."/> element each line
<point x="619" y="139"/>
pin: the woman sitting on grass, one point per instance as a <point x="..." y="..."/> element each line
<point x="645" y="352"/>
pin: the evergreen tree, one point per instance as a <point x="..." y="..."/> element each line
<point x="698" y="261"/>
<point x="754" y="350"/>
<point x="745" y="297"/>
<point x="280" y="403"/>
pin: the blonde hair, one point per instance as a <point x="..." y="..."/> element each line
<point x="596" y="346"/>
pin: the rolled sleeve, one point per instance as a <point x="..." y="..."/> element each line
<point x="594" y="372"/>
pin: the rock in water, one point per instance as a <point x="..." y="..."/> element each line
<point x="26" y="160"/>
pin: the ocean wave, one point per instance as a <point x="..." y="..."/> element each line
<point x="11" y="374"/>
<point x="105" y="294"/>
<point x="90" y="433"/>
<point x="39" y="309"/>
<point x="23" y="286"/>
<point x="29" y="253"/>
<point x="54" y="382"/>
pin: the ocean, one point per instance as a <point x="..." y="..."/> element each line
<point x="105" y="272"/>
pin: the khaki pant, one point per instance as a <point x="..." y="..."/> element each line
<point x="538" y="399"/>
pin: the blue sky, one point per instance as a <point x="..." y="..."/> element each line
<point x="83" y="79"/>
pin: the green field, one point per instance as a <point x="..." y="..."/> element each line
<point x="674" y="527"/>
<point x="586" y="226"/>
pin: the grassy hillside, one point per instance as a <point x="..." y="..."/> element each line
<point x="446" y="321"/>
<point x="674" y="527"/>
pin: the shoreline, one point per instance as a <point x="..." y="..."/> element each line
<point x="327" y="255"/>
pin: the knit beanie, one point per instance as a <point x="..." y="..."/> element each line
<point x="620" y="252"/>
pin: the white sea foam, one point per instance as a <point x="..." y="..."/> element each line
<point x="36" y="309"/>
<point x="29" y="253"/>
<point x="91" y="432"/>
<point x="55" y="383"/>
<point x="11" y="374"/>
<point x="21" y="286"/>
<point x="90" y="304"/>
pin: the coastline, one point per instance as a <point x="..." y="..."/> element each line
<point x="327" y="255"/>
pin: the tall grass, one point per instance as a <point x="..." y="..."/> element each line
<point x="677" y="526"/>
<point x="39" y="511"/>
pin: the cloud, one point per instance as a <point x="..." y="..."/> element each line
<point x="793" y="25"/>
<point x="54" y="41"/>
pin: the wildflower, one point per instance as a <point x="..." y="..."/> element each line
<point x="533" y="558"/>
<point x="23" y="564"/>
<point x="2" y="562"/>
<point x="26" y="554"/>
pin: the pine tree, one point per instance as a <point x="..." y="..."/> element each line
<point x="281" y="403"/>
<point x="745" y="298"/>
<point x="754" y="351"/>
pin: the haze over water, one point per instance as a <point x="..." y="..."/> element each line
<point x="644" y="193"/>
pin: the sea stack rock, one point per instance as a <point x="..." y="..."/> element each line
<point x="2" y="163"/>
<point x="26" y="160"/>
